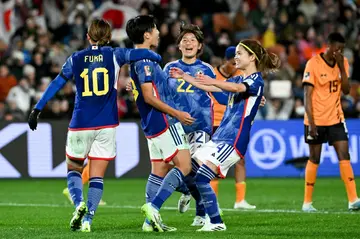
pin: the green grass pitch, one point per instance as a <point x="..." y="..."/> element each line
<point x="37" y="209"/>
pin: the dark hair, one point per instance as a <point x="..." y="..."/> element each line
<point x="265" y="62"/>
<point x="335" y="37"/>
<point x="194" y="29"/>
<point x="100" y="31"/>
<point x="136" y="27"/>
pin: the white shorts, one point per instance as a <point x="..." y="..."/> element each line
<point x="196" y="140"/>
<point x="222" y="155"/>
<point x="92" y="144"/>
<point x="165" y="146"/>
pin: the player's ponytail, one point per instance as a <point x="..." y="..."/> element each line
<point x="265" y="62"/>
<point x="100" y="32"/>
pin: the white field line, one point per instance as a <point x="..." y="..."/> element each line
<point x="175" y="208"/>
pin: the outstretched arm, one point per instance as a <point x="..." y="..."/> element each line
<point x="223" y="85"/>
<point x="178" y="73"/>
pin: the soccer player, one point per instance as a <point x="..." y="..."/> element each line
<point x="229" y="143"/>
<point x="224" y="72"/>
<point x="85" y="179"/>
<point x="325" y="77"/>
<point x="194" y="101"/>
<point x="163" y="135"/>
<point x="92" y="128"/>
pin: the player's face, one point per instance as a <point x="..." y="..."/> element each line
<point x="231" y="65"/>
<point x="189" y="45"/>
<point x="242" y="58"/>
<point x="153" y="37"/>
<point x="336" y="47"/>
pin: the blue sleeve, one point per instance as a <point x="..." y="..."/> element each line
<point x="144" y="71"/>
<point x="252" y="86"/>
<point x="221" y="97"/>
<point x="127" y="56"/>
<point x="67" y="70"/>
<point x="210" y="71"/>
<point x="50" y="91"/>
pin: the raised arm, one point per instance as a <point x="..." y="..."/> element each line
<point x="127" y="56"/>
<point x="178" y="73"/>
<point x="223" y="85"/>
<point x="344" y="72"/>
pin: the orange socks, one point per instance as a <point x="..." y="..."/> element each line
<point x="85" y="174"/>
<point x="347" y="175"/>
<point x="240" y="191"/>
<point x="310" y="178"/>
<point x="214" y="185"/>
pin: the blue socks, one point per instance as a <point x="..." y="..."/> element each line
<point x="171" y="182"/>
<point x="75" y="186"/>
<point x="152" y="187"/>
<point x="202" y="180"/>
<point x="190" y="182"/>
<point x="96" y="188"/>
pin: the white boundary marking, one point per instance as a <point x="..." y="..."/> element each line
<point x="175" y="208"/>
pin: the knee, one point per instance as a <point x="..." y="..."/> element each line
<point x="343" y="155"/>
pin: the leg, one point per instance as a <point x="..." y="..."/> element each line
<point x="103" y="150"/>
<point x="159" y="169"/>
<point x="346" y="171"/>
<point x="240" y="186"/>
<point x="75" y="189"/>
<point x="85" y="174"/>
<point x="310" y="175"/>
<point x="215" y="186"/>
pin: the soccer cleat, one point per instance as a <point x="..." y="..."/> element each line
<point x="153" y="216"/>
<point x="354" y="206"/>
<point x="198" y="221"/>
<point x="102" y="203"/>
<point x="244" y="205"/>
<point x="167" y="228"/>
<point x="80" y="211"/>
<point x="209" y="227"/>
<point x="86" y="226"/>
<point x="184" y="203"/>
<point x="67" y="195"/>
<point x="146" y="227"/>
<point x="308" y="207"/>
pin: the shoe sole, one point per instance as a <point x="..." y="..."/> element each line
<point x="185" y="208"/>
<point x="75" y="223"/>
<point x="153" y="222"/>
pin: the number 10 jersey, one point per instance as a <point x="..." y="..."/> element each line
<point x="95" y="72"/>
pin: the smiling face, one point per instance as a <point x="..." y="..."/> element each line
<point x="243" y="58"/>
<point x="189" y="45"/>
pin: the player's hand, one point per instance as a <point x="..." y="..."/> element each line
<point x="185" y="118"/>
<point x="33" y="117"/>
<point x="128" y="86"/>
<point x="176" y="72"/>
<point x="263" y="101"/>
<point x="205" y="80"/>
<point x="339" y="58"/>
<point x="312" y="132"/>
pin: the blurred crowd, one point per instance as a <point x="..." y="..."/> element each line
<point x="46" y="32"/>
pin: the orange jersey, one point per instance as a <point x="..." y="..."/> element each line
<point x="326" y="101"/>
<point x="219" y="109"/>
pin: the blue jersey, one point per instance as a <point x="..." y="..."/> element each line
<point x="235" y="126"/>
<point x="153" y="121"/>
<point x="190" y="99"/>
<point x="95" y="71"/>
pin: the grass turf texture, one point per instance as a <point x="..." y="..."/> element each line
<point x="37" y="209"/>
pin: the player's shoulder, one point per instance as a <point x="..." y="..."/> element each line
<point x="207" y="66"/>
<point x="171" y="64"/>
<point x="315" y="61"/>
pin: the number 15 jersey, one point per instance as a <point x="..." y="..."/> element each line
<point x="95" y="72"/>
